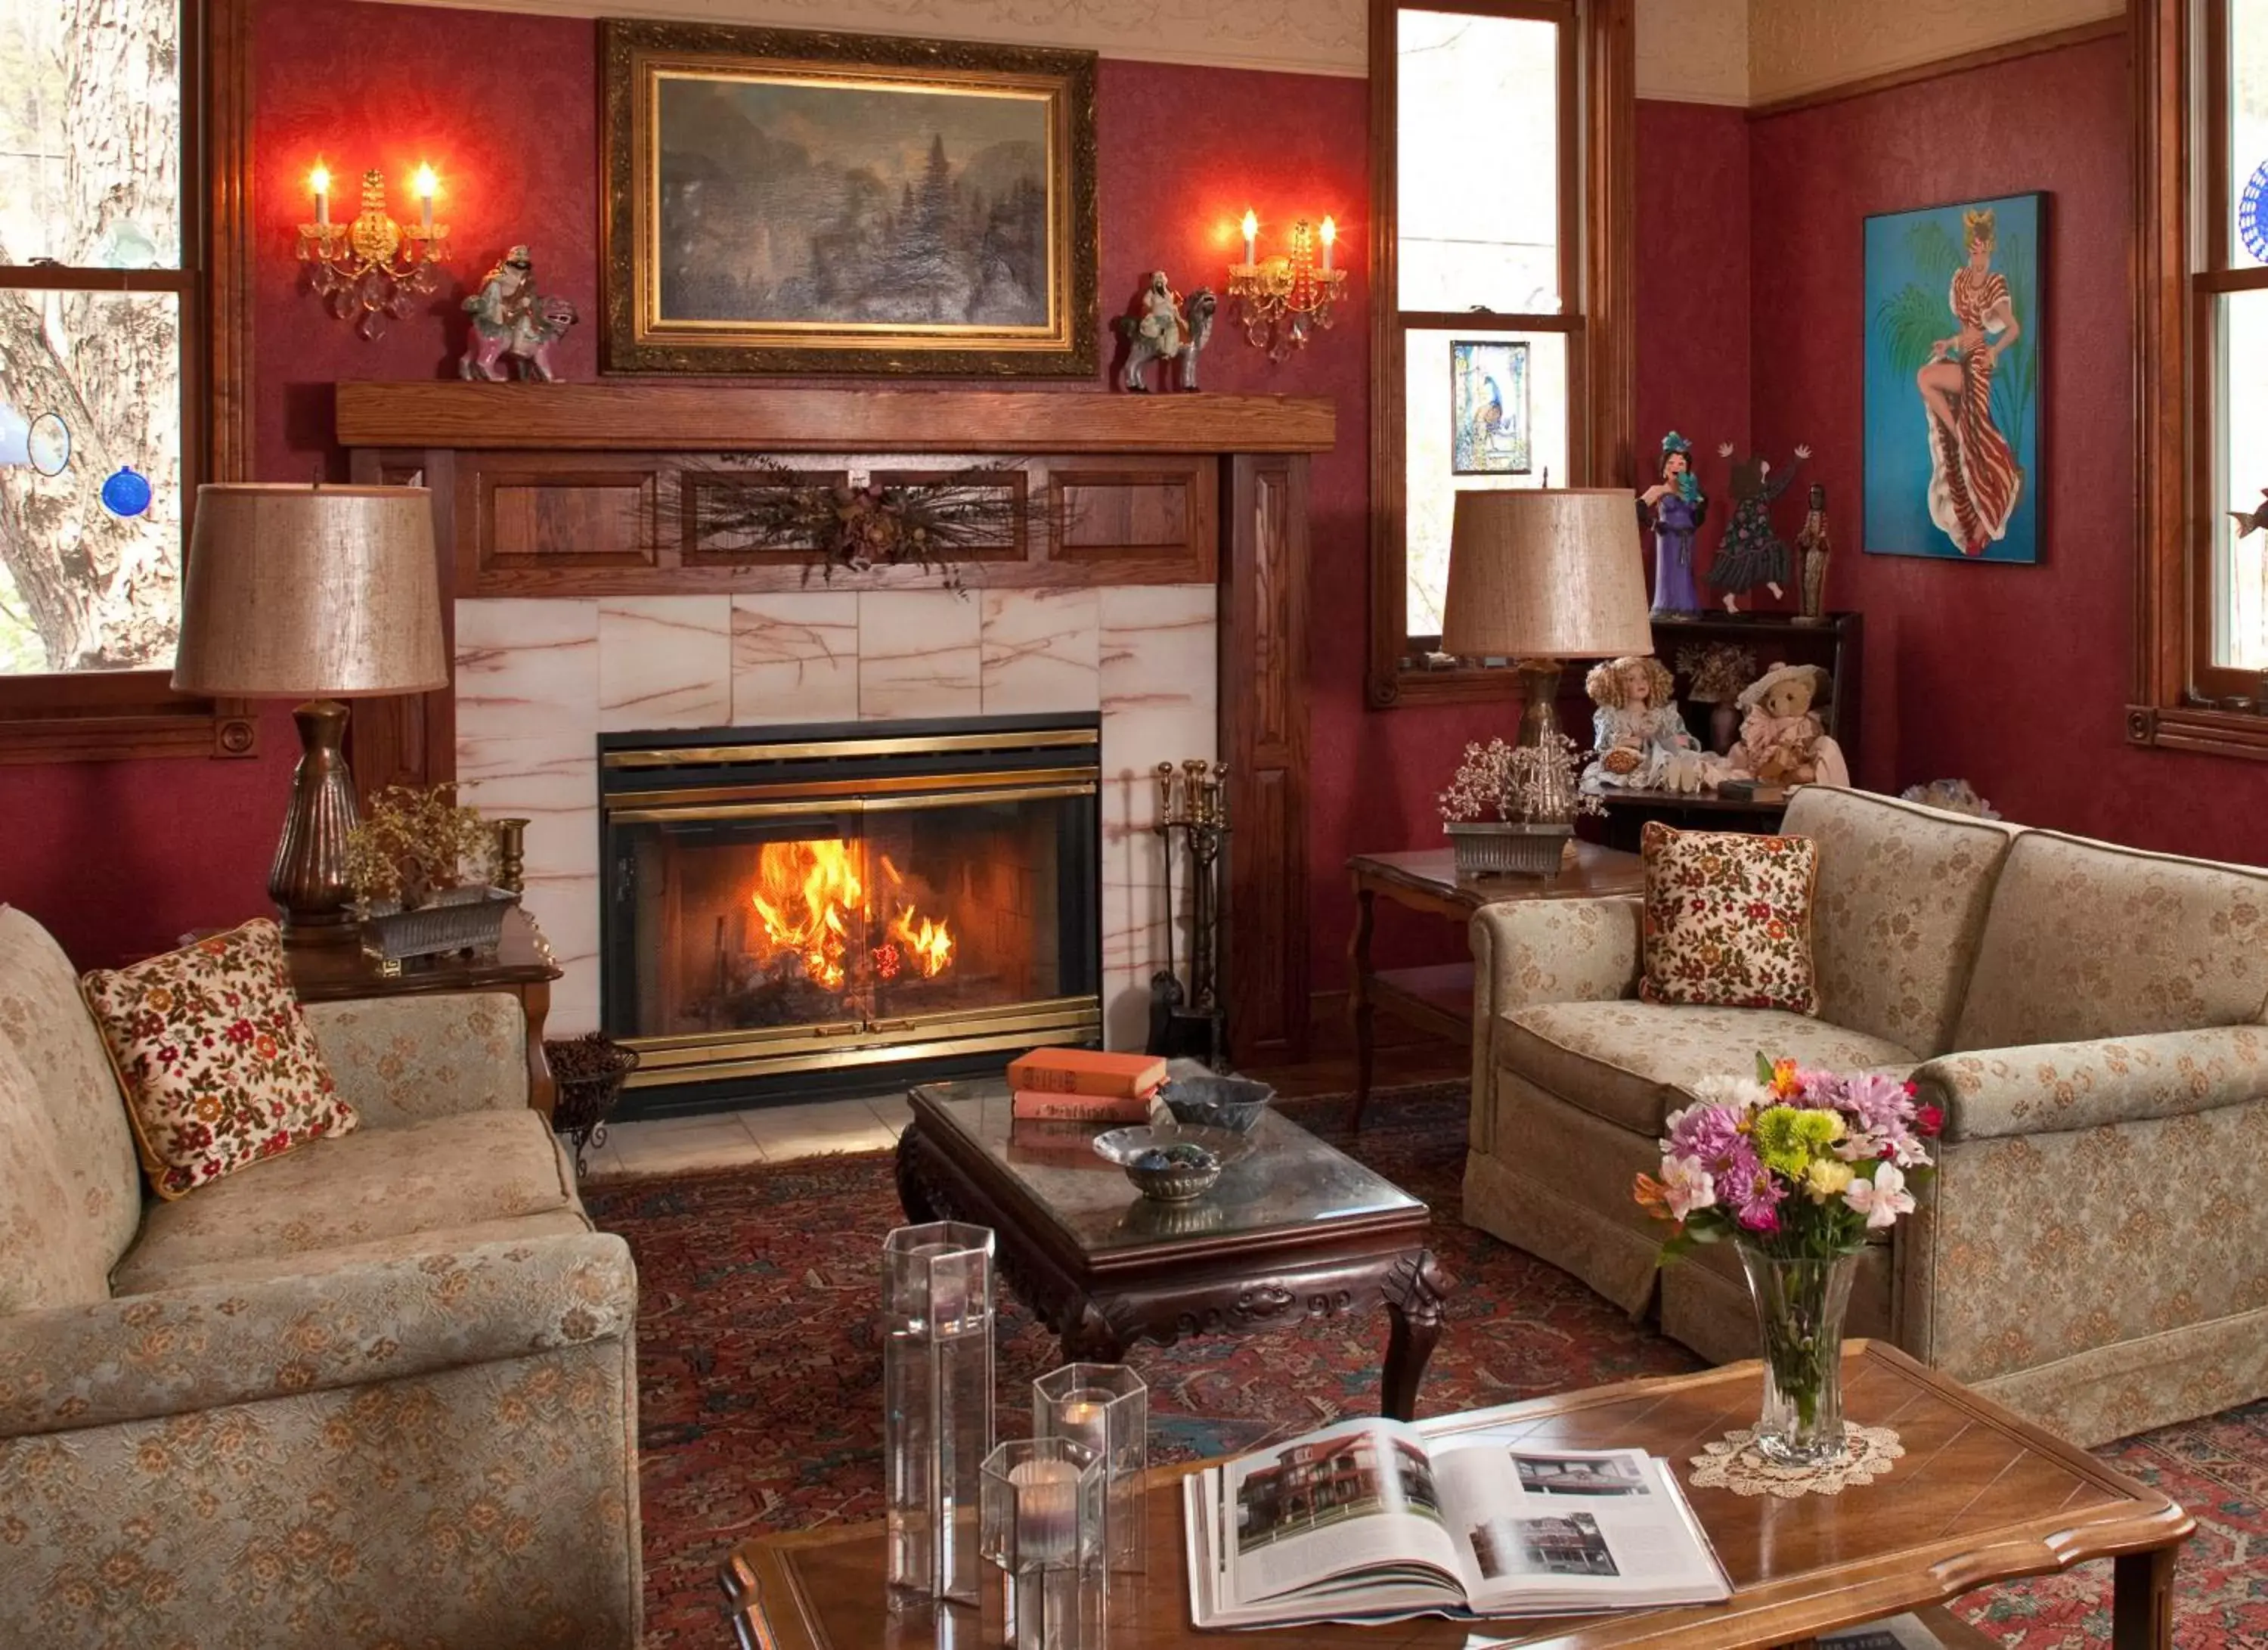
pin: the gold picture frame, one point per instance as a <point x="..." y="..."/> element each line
<point x="771" y="208"/>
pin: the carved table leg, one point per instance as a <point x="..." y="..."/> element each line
<point x="1358" y="1005"/>
<point x="911" y="1197"/>
<point x="2142" y="1601"/>
<point x="1085" y="1335"/>
<point x="1417" y="1291"/>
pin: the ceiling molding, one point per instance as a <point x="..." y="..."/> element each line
<point x="1799" y="48"/>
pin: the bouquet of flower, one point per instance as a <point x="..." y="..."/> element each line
<point x="1717" y="672"/>
<point x="1800" y="1165"/>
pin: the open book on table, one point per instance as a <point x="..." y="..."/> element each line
<point x="1376" y="1520"/>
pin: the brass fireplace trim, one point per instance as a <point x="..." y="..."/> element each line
<point x="889" y="785"/>
<point x="712" y="756"/>
<point x="706" y="1056"/>
<point x="848" y="804"/>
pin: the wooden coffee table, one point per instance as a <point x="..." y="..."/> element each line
<point x="1296" y="1230"/>
<point x="1980" y="1497"/>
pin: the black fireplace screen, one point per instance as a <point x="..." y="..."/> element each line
<point x="793" y="899"/>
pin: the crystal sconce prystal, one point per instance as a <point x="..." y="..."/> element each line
<point x="371" y="268"/>
<point x="1281" y="299"/>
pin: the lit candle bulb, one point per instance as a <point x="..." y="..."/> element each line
<point x="1251" y="237"/>
<point x="1330" y="234"/>
<point x="425" y="184"/>
<point x="322" y="179"/>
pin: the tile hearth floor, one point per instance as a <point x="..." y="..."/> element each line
<point x="770" y="1134"/>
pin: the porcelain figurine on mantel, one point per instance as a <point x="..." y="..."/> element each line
<point x="1639" y="740"/>
<point x="1675" y="508"/>
<point x="1753" y="552"/>
<point x="511" y="320"/>
<point x="1165" y="330"/>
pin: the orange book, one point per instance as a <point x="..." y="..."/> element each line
<point x="1087" y="1072"/>
<point x="1036" y="1104"/>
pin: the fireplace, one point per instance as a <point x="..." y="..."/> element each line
<point x="846" y="908"/>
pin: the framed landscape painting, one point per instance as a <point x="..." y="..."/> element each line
<point x="1954" y="322"/>
<point x="1488" y="411"/>
<point x="797" y="202"/>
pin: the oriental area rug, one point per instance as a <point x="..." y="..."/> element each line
<point x="759" y="1378"/>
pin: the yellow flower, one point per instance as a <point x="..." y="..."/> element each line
<point x="1826" y="1178"/>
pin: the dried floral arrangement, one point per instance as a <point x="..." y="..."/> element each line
<point x="1517" y="784"/>
<point x="417" y="842"/>
<point x="1717" y="672"/>
<point x="930" y="524"/>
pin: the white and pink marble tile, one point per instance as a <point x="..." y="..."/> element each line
<point x="665" y="661"/>
<point x="550" y="782"/>
<point x="795" y="658"/>
<point x="526" y="669"/>
<point x="566" y="908"/>
<point x="1038" y="652"/>
<point x="918" y="655"/>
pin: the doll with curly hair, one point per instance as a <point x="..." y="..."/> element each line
<point x="1639" y="740"/>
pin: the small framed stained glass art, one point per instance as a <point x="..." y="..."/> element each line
<point x="1488" y="408"/>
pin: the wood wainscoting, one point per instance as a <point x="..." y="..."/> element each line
<point x="599" y="490"/>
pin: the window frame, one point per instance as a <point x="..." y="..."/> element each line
<point x="110" y="715"/>
<point x="2183" y="267"/>
<point x="1597" y="114"/>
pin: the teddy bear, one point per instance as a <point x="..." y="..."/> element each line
<point x="1782" y="741"/>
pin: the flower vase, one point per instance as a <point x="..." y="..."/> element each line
<point x="1799" y="1306"/>
<point x="1724" y="726"/>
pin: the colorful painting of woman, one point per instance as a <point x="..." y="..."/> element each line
<point x="1674" y="507"/>
<point x="1952" y="448"/>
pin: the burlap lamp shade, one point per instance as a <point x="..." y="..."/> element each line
<point x="319" y="593"/>
<point x="1537" y="575"/>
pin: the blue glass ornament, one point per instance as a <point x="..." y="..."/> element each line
<point x="2252" y="213"/>
<point x="125" y="493"/>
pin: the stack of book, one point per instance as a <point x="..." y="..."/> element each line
<point x="1084" y="1085"/>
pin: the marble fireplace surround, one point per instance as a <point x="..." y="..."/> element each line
<point x="583" y="603"/>
<point x="538" y="679"/>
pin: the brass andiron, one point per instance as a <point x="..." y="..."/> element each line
<point x="1193" y="805"/>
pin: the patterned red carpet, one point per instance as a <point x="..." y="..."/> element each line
<point x="759" y="1380"/>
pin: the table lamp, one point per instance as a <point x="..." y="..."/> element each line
<point x="1538" y="575"/>
<point x="319" y="593"/>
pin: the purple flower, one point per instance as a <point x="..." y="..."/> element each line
<point x="1706" y="1134"/>
<point x="1880" y="1105"/>
<point x="1753" y="1190"/>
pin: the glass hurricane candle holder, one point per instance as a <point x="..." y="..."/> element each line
<point x="1105" y="1408"/>
<point x="1042" y="1526"/>
<point x="937" y="1394"/>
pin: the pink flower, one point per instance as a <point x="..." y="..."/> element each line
<point x="1883" y="1199"/>
<point x="1686" y="1186"/>
<point x="1753" y="1191"/>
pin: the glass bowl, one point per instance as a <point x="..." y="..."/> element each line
<point x="1192" y="1158"/>
<point x="1205" y="1099"/>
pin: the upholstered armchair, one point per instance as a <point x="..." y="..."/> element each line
<point x="2094" y="1250"/>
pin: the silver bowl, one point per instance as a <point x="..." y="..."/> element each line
<point x="1205" y="1099"/>
<point x="1199" y="1156"/>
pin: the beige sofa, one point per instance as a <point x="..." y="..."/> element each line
<point x="378" y="1390"/>
<point x="2093" y="1251"/>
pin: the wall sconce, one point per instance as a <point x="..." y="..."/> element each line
<point x="1282" y="297"/>
<point x="371" y="268"/>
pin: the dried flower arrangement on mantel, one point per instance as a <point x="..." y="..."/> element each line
<point x="927" y="524"/>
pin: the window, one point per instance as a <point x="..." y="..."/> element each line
<point x="1501" y="147"/>
<point x="2202" y="324"/>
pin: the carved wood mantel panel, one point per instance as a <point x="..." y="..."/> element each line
<point x="593" y="490"/>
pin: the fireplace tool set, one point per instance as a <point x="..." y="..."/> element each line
<point x="1193" y="816"/>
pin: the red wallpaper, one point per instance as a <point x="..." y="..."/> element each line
<point x="2012" y="677"/>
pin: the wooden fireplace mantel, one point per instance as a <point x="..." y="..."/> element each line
<point x="593" y="490"/>
<point x="723" y="418"/>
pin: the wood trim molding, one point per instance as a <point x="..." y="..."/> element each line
<point x="136" y="715"/>
<point x="718" y="417"/>
<point x="1609" y="128"/>
<point x="1982" y="57"/>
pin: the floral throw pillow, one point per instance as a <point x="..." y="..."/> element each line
<point x="218" y="1065"/>
<point x="1728" y="919"/>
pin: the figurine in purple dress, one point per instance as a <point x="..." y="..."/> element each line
<point x="1675" y="508"/>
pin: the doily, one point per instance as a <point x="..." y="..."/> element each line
<point x="1732" y="1463"/>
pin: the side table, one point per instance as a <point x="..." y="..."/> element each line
<point x="522" y="968"/>
<point x="1439" y="997"/>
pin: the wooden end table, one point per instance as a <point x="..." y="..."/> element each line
<point x="1981" y="1496"/>
<point x="1439" y="996"/>
<point x="521" y="967"/>
<point x="1295" y="1230"/>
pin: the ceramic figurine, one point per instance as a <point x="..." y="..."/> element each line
<point x="1753" y="552"/>
<point x="1639" y="741"/>
<point x="1783" y="740"/>
<point x="1812" y="549"/>
<point x="510" y="319"/>
<point x="1674" y="507"/>
<point x="1163" y="331"/>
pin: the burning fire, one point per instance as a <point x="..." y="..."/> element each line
<point x="813" y="903"/>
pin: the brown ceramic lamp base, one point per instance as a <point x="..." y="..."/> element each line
<point x="309" y="881"/>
